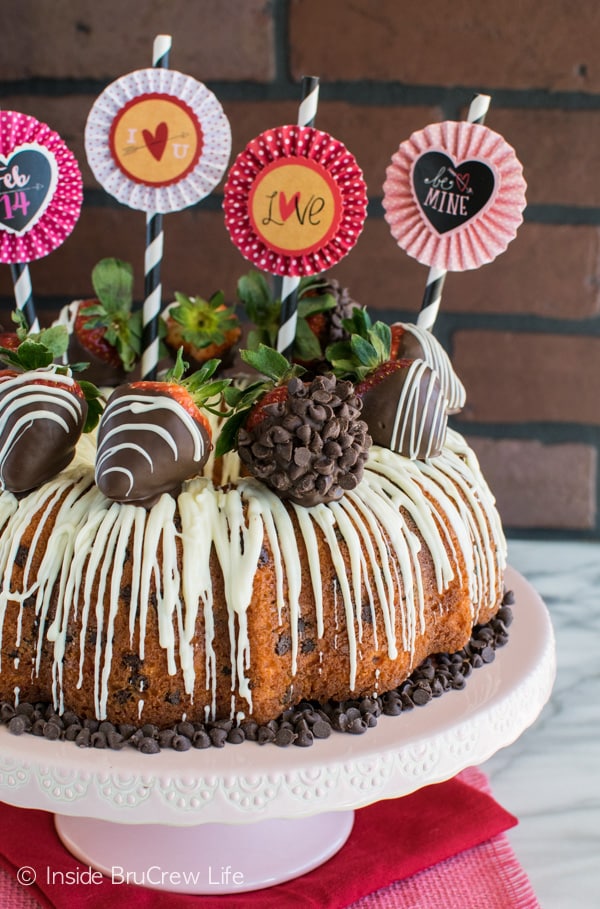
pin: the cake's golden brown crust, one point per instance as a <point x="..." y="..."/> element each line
<point x="132" y="658"/>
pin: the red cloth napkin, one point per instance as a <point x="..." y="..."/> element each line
<point x="390" y="840"/>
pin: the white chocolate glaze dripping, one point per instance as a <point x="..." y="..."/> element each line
<point x="169" y="548"/>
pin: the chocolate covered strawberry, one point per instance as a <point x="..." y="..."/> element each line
<point x="403" y="402"/>
<point x="303" y="439"/>
<point x="204" y="329"/>
<point x="105" y="326"/>
<point x="415" y="343"/>
<point x="154" y="435"/>
<point x="43" y="411"/>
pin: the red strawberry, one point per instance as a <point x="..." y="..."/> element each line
<point x="9" y="339"/>
<point x="153" y="435"/>
<point x="409" y="414"/>
<point x="105" y="326"/>
<point x="205" y="329"/>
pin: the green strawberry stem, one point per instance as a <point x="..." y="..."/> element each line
<point x="206" y="394"/>
<point x="269" y="363"/>
<point x="204" y="322"/>
<point x="368" y="347"/>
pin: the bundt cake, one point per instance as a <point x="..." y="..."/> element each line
<point x="308" y="537"/>
<point x="228" y="601"/>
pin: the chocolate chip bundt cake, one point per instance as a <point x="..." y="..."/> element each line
<point x="317" y="565"/>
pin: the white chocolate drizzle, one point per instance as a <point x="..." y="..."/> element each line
<point x="24" y="401"/>
<point x="88" y="540"/>
<point x="436" y="357"/>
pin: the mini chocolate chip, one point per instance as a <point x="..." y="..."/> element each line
<point x="72" y="731"/>
<point x="285" y="737"/>
<point x="421" y="695"/>
<point x="283" y="645"/>
<point x="321" y="729"/>
<point x="250" y="728"/>
<point x="236" y="736"/>
<point x="98" y="740"/>
<point x="7" y="711"/>
<point x="83" y="738"/>
<point x="51" y="731"/>
<point x="488" y="655"/>
<point x="126" y="730"/>
<point x="265" y="735"/>
<point x="18" y="724"/>
<point x="38" y="726"/>
<point x="201" y="739"/>
<point x="185" y="728"/>
<point x="181" y="743"/>
<point x="25" y="709"/>
<point x="148" y="745"/>
<point x="357" y="727"/>
<point x="218" y="737"/>
<point x="165" y="737"/>
<point x="115" y="741"/>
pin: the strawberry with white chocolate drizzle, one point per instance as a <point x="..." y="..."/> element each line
<point x="404" y="405"/>
<point x="153" y="434"/>
<point x="43" y="409"/>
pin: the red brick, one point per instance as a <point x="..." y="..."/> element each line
<point x="353" y="124"/>
<point x="551" y="271"/>
<point x="449" y="42"/>
<point x="215" y="39"/>
<point x="540" y="485"/>
<point x="527" y="377"/>
<point x="554" y="148"/>
<point x="199" y="257"/>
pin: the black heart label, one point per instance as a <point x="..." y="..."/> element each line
<point x="450" y="195"/>
<point x="28" y="179"/>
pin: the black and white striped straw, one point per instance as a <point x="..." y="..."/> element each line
<point x="307" y="113"/>
<point x="432" y="296"/>
<point x="153" y="255"/>
<point x="24" y="295"/>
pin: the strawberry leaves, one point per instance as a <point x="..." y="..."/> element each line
<point x="204" y="322"/>
<point x="278" y="372"/>
<point x="264" y="311"/>
<point x="368" y="347"/>
<point x="112" y="281"/>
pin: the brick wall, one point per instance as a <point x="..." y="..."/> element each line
<point x="524" y="331"/>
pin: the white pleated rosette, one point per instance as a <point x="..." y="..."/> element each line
<point x="177" y="193"/>
<point x="477" y="240"/>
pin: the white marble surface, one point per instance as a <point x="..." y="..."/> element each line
<point x="550" y="778"/>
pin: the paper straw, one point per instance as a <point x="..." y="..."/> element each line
<point x="153" y="255"/>
<point x="24" y="295"/>
<point x="432" y="296"/>
<point x="307" y="113"/>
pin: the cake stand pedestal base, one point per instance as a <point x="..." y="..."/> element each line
<point x="208" y="858"/>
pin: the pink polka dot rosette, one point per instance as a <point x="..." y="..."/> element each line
<point x="295" y="201"/>
<point x="454" y="195"/>
<point x="40" y="189"/>
<point x="157" y="140"/>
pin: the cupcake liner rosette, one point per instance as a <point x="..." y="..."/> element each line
<point x="452" y="153"/>
<point x="41" y="189"/>
<point x="321" y="158"/>
<point x="190" y="119"/>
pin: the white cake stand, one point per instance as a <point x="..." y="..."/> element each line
<point x="245" y="817"/>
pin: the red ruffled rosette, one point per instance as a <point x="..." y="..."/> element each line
<point x="252" y="191"/>
<point x="48" y="210"/>
<point x="420" y="223"/>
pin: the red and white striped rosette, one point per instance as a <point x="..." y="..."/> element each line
<point x="295" y="203"/>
